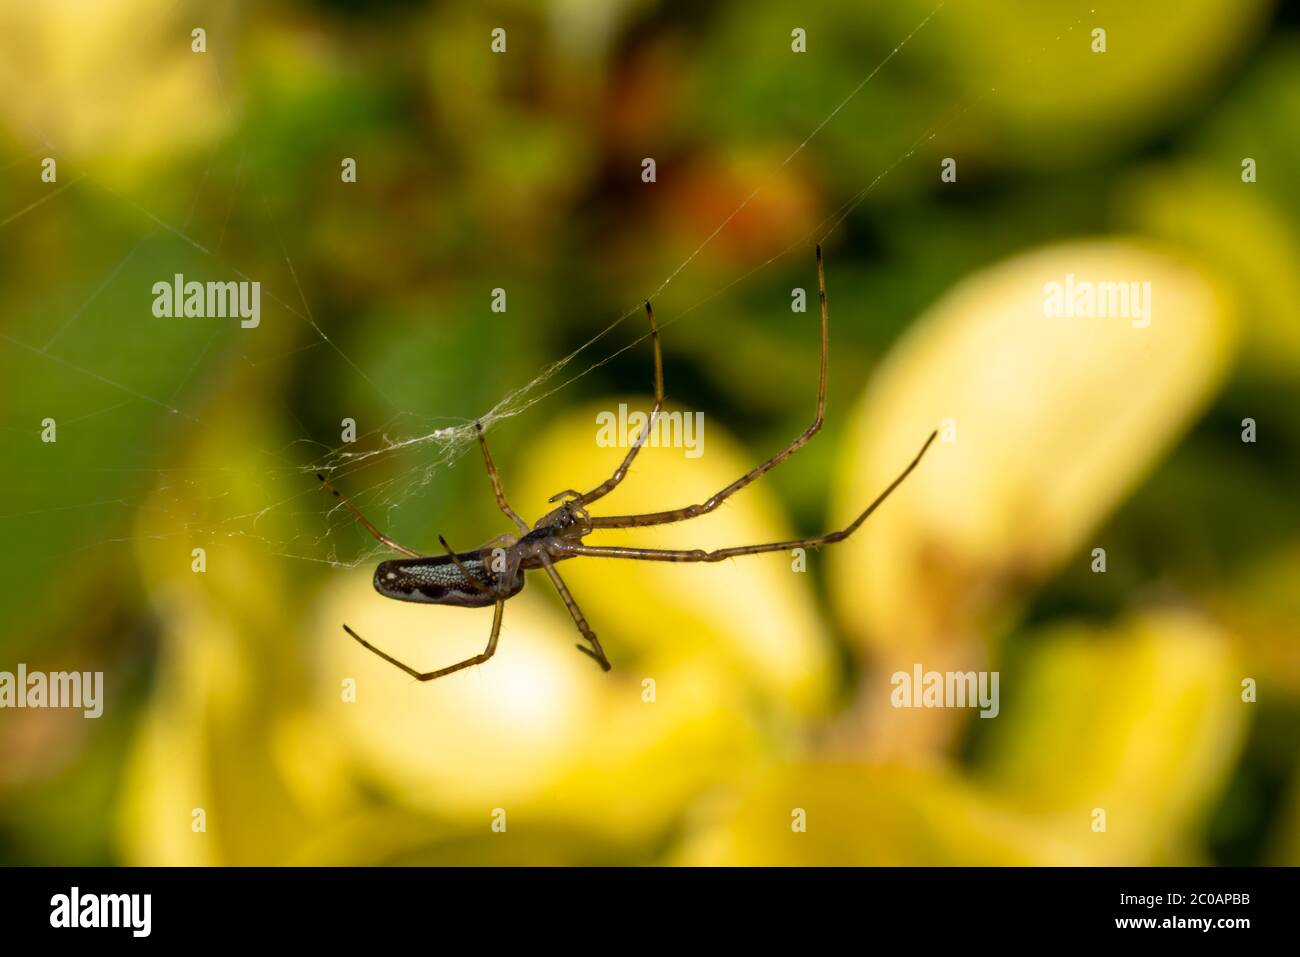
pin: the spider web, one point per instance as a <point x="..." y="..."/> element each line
<point x="411" y="447"/>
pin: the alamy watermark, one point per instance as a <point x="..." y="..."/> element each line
<point x="212" y="300"/>
<point x="678" y="430"/>
<point x="1083" y="298"/>
<point x="75" y="909"/>
<point x="55" y="689"/>
<point x="946" y="689"/>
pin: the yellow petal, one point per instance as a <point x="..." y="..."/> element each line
<point x="1142" y="721"/>
<point x="538" y="731"/>
<point x="228" y="673"/>
<point x="488" y="736"/>
<point x="1046" y="424"/>
<point x="113" y="79"/>
<point x="870" y="815"/>
<point x="1246" y="237"/>
<point x="1044" y="67"/>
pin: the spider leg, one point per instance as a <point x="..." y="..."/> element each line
<point x="505" y="538"/>
<point x="496" y="481"/>
<point x="470" y="578"/>
<point x="721" y="554"/>
<point x="595" y="651"/>
<point x="478" y="659"/>
<point x="365" y="522"/>
<point x="691" y="511"/>
<point x="607" y="486"/>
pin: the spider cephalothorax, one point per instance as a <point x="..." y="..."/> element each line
<point x="570" y="520"/>
<point x="495" y="572"/>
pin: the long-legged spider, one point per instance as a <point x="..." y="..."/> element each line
<point x="493" y="573"/>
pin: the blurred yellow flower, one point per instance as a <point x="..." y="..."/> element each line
<point x="115" y="80"/>
<point x="1133" y="730"/>
<point x="1046" y="422"/>
<point x="840" y="813"/>
<point x="1141" y="721"/>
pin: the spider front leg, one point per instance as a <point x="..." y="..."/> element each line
<point x="720" y="554"/>
<point x="692" y="511"/>
<point x="496" y="481"/>
<point x="595" y="651"/>
<point x="365" y="522"/>
<point x="505" y="539"/>
<point x="611" y="483"/>
<point x="478" y="659"/>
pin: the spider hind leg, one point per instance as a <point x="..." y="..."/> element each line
<point x="478" y="659"/>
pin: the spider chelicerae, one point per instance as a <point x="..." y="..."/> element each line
<point x="494" y="573"/>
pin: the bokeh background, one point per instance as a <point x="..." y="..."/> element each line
<point x="225" y="689"/>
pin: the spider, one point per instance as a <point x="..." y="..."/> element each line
<point x="494" y="573"/>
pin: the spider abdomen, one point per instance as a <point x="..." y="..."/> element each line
<point x="438" y="580"/>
